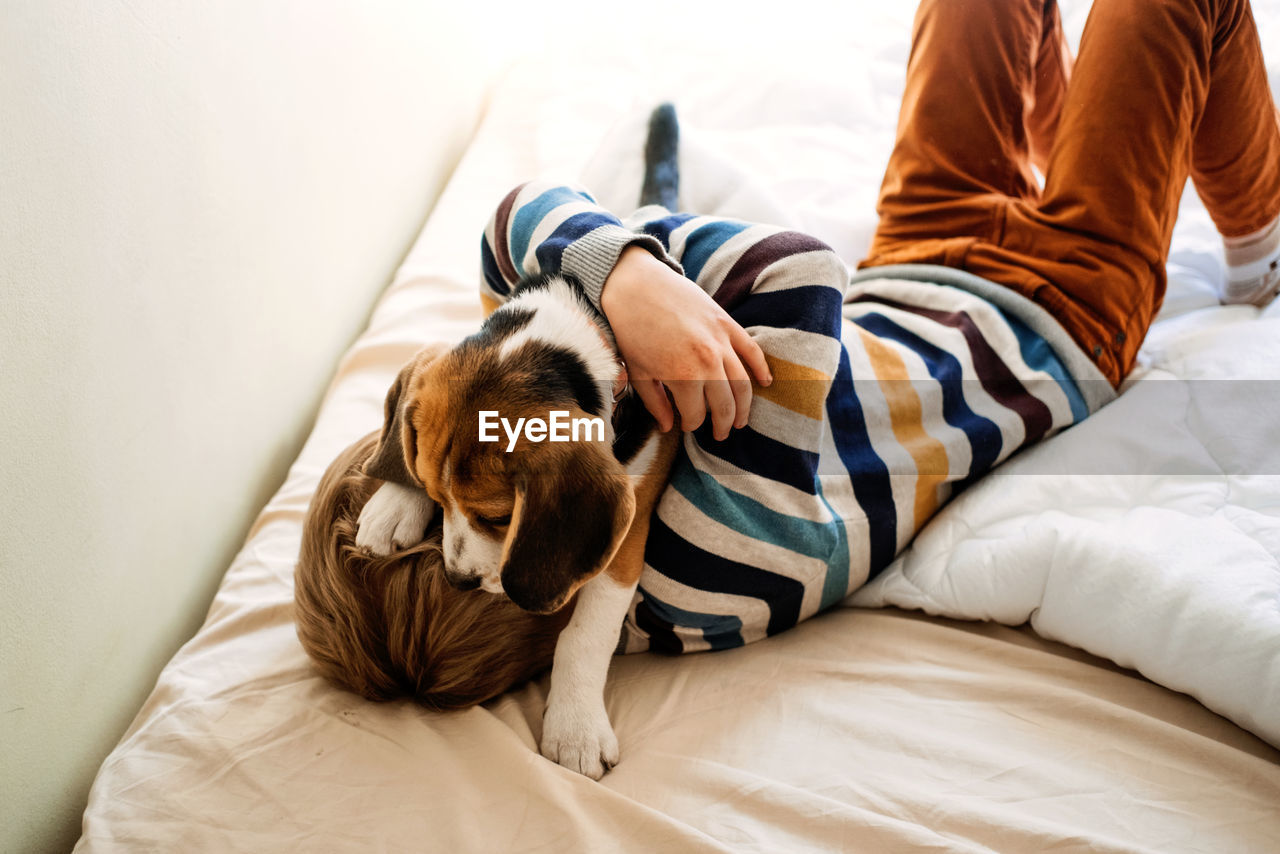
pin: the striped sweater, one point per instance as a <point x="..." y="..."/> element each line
<point x="891" y="393"/>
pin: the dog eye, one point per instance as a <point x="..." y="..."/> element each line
<point x="495" y="521"/>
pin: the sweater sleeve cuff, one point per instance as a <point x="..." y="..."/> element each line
<point x="592" y="257"/>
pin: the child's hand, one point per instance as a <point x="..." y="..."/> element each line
<point x="672" y="334"/>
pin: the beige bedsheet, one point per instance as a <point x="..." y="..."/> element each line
<point x="857" y="731"/>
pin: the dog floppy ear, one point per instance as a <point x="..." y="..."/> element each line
<point x="393" y="458"/>
<point x="569" y="518"/>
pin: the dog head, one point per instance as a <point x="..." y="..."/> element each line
<point x="524" y="513"/>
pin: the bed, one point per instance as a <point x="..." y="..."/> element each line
<point x="1080" y="653"/>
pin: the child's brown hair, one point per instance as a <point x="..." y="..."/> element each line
<point x="389" y="627"/>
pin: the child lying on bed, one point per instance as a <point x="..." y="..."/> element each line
<point x="988" y="314"/>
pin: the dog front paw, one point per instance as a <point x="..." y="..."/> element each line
<point x="394" y="517"/>
<point x="580" y="740"/>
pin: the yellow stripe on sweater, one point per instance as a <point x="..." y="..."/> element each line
<point x="796" y="387"/>
<point x="489" y="304"/>
<point x="907" y="417"/>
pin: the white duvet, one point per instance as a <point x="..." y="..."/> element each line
<point x="1171" y="564"/>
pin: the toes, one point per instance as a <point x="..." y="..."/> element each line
<point x="589" y="750"/>
<point x="586" y="763"/>
<point x="374" y="537"/>
<point x="609" y="753"/>
<point x="583" y="759"/>
<point x="411" y="528"/>
<point x="407" y="535"/>
<point x="394" y="517"/>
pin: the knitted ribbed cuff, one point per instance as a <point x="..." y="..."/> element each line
<point x="592" y="257"/>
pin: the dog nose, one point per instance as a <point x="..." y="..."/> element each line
<point x="530" y="598"/>
<point x="463" y="582"/>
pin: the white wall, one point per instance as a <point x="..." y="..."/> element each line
<point x="199" y="203"/>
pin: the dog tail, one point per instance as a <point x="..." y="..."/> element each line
<point x="661" y="162"/>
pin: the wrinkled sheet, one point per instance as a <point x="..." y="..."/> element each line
<point x="858" y="730"/>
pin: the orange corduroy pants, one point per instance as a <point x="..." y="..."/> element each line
<point x="1161" y="89"/>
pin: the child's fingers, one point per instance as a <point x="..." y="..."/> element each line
<point x="740" y="384"/>
<point x="750" y="353"/>
<point x="654" y="397"/>
<point x="722" y="405"/>
<point x="690" y="401"/>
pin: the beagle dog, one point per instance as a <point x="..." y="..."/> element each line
<point x="543" y="515"/>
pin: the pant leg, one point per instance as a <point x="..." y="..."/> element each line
<point x="1235" y="155"/>
<point x="985" y="81"/>
<point x="1053" y="66"/>
<point x="1159" y="85"/>
<point x="1165" y="87"/>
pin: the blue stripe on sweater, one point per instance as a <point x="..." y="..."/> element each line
<point x="810" y="308"/>
<point x="868" y="474"/>
<point x="836" y="581"/>
<point x="492" y="275"/>
<point x="721" y="631"/>
<point x="761" y="455"/>
<point x="662" y="228"/>
<point x="985" y="438"/>
<point x="703" y="241"/>
<point x="675" y="557"/>
<point x="1037" y="353"/>
<point x="551" y="250"/>
<point x="740" y="512"/>
<point x="529" y="215"/>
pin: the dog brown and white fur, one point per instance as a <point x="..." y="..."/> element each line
<point x="545" y="523"/>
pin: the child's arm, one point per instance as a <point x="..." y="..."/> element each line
<point x="669" y="332"/>
<point x="672" y="333"/>
<point x="543" y="227"/>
